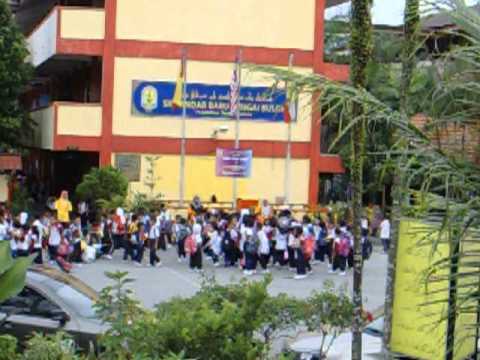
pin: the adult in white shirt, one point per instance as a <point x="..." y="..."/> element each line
<point x="385" y="234"/>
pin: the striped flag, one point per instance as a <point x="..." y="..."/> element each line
<point x="177" y="101"/>
<point x="235" y="91"/>
<point x="290" y="108"/>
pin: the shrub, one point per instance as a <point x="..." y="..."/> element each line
<point x="231" y="322"/>
<point x="50" y="347"/>
<point x="8" y="347"/>
<point x="329" y="313"/>
<point x="21" y="200"/>
<point x="104" y="184"/>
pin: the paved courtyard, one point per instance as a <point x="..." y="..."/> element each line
<point x="154" y="285"/>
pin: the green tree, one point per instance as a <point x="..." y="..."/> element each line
<point x="106" y="186"/>
<point x="329" y="313"/>
<point x="409" y="61"/>
<point x="361" y="54"/>
<point x="15" y="73"/>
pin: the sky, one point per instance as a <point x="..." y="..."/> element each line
<point x="385" y="12"/>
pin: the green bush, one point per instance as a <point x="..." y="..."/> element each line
<point x="8" y="347"/>
<point x="104" y="184"/>
<point x="50" y="347"/>
<point x="21" y="201"/>
<point x="232" y="322"/>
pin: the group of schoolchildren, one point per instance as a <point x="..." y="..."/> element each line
<point x="251" y="241"/>
<point x="245" y="239"/>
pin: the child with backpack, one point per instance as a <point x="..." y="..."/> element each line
<point x="132" y="239"/>
<point x="341" y="250"/>
<point x="119" y="229"/>
<point x="182" y="232"/>
<point x="250" y="248"/>
<point x="308" y="247"/>
<point x="229" y="247"/>
<point x="296" y="243"/>
<point x="193" y="247"/>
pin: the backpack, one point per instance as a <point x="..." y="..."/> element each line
<point x="190" y="245"/>
<point x="308" y="247"/>
<point x="118" y="227"/>
<point x="321" y="239"/>
<point x="250" y="247"/>
<point x="344" y="247"/>
<point x="182" y="233"/>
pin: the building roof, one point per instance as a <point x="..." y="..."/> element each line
<point x="442" y="20"/>
<point x="331" y="3"/>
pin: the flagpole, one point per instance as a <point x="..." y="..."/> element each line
<point x="288" y="159"/>
<point x="183" y="143"/>
<point x="237" y="121"/>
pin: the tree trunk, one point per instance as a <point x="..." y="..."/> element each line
<point x="411" y="27"/>
<point x="361" y="50"/>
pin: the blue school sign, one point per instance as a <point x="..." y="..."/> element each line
<point x="207" y="101"/>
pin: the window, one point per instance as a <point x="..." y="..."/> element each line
<point x="30" y="303"/>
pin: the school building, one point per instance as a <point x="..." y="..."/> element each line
<point x="91" y="55"/>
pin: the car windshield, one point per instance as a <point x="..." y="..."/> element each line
<point x="74" y="299"/>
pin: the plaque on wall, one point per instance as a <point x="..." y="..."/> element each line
<point x="129" y="165"/>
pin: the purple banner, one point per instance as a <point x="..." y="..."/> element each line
<point x="234" y="163"/>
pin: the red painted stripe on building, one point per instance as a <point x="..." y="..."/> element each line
<point x="331" y="164"/>
<point x="204" y="147"/>
<point x="335" y="71"/>
<point x="218" y="53"/>
<point x="77" y="143"/>
<point x="108" y="82"/>
<point x="80" y="47"/>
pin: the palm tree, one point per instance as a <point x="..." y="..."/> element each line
<point x="361" y="54"/>
<point x="410" y="44"/>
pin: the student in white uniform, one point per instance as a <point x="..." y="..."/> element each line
<point x="385" y="234"/>
<point x="263" y="248"/>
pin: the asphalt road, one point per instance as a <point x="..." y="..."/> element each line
<point x="154" y="285"/>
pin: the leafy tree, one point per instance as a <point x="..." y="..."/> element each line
<point x="409" y="62"/>
<point x="238" y="321"/>
<point x="361" y="48"/>
<point x="329" y="313"/>
<point x="104" y="185"/>
<point x="117" y="308"/>
<point x="15" y="73"/>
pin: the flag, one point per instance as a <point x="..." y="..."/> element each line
<point x="177" y="101"/>
<point x="290" y="108"/>
<point x="234" y="91"/>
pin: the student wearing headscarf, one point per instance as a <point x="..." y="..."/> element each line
<point x="63" y="206"/>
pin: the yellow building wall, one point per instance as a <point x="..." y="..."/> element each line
<point x="129" y="69"/>
<point x="88" y="24"/>
<point x="419" y="327"/>
<point x="266" y="182"/>
<point x="266" y="23"/>
<point x="80" y="120"/>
